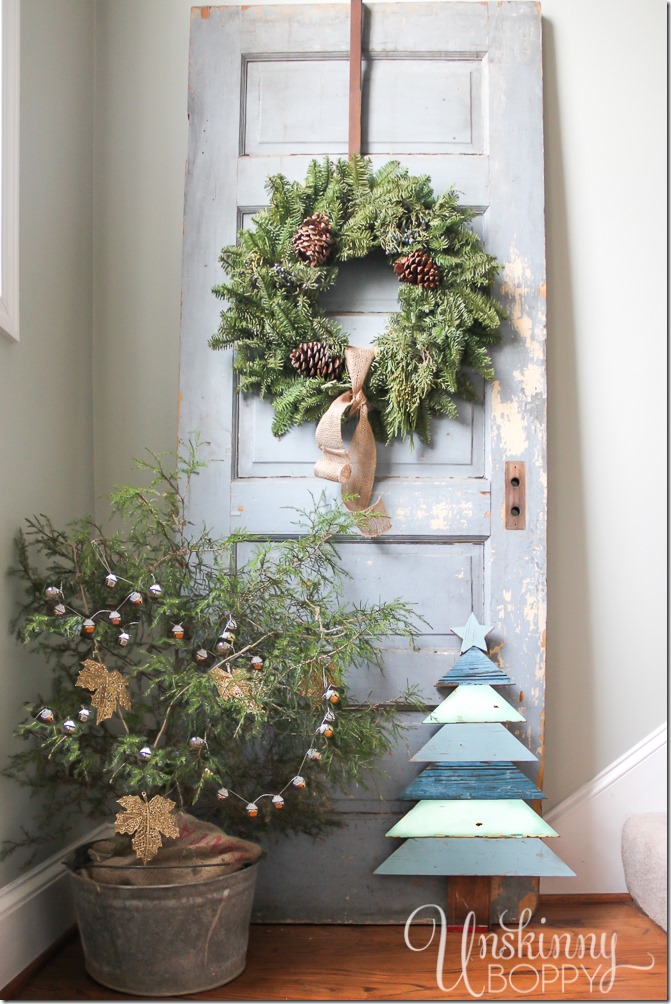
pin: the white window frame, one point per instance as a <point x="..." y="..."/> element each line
<point x="9" y="170"/>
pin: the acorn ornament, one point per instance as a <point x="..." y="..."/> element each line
<point x="135" y="598"/>
<point x="252" y="810"/>
<point x="298" y="781"/>
<point x="325" y="729"/>
<point x="145" y="754"/>
<point x="111" y="580"/>
<point x="331" y="695"/>
<point x="69" y="726"/>
<point x="88" y="627"/>
<point x="227" y="635"/>
<point x="313" y="754"/>
<point x="177" y="631"/>
<point x="278" y="801"/>
<point x="201" y="656"/>
<point x="114" y="617"/>
<point x="46" y="716"/>
<point x="222" y="794"/>
<point x="59" y="610"/>
<point x="256" y="663"/>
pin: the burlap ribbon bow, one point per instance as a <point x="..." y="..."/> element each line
<point x="354" y="469"/>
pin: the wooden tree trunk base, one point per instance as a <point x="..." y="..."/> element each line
<point x="468" y="894"/>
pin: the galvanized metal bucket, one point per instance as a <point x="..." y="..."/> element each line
<point x="164" y="940"/>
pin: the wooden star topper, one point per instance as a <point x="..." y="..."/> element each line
<point x="473" y="634"/>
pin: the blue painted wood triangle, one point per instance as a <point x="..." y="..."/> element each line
<point x="500" y="779"/>
<point x="474" y="667"/>
<point x="468" y="856"/>
<point x="480" y="741"/>
<point x="475" y="818"/>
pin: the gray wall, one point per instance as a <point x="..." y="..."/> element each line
<point x="101" y="238"/>
<point x="46" y="402"/>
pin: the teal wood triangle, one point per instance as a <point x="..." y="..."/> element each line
<point x="481" y="741"/>
<point x="471" y="818"/>
<point x="474" y="667"/>
<point x="500" y="779"/>
<point x="463" y="856"/>
<point x="473" y="704"/>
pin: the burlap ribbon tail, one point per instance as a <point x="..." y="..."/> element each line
<point x="353" y="468"/>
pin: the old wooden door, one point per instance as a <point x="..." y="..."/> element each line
<point x="452" y="90"/>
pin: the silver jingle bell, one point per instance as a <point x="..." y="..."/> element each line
<point x="52" y="592"/>
<point x="146" y="753"/>
<point x="155" y="590"/>
<point x="197" y="742"/>
<point x="69" y="725"/>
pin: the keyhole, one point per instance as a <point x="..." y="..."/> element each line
<point x="515" y="511"/>
<point x="515" y="482"/>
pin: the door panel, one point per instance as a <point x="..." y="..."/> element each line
<point x="453" y="90"/>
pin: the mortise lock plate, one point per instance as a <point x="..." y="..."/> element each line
<point x="516" y="495"/>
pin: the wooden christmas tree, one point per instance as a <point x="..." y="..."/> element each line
<point x="472" y="821"/>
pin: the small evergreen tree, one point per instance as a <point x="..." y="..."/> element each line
<point x="178" y="671"/>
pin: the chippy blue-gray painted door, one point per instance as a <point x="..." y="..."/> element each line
<point x="452" y="90"/>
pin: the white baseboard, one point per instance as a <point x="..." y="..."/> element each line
<point x="35" y="910"/>
<point x="590" y="821"/>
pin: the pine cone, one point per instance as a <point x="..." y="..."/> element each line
<point x="419" y="269"/>
<point x="315" y="359"/>
<point x="313" y="240"/>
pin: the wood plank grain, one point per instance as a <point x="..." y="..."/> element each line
<point x="474" y="667"/>
<point x="468" y="894"/>
<point x="465" y="856"/>
<point x="478" y="703"/>
<point x="486" y="741"/>
<point x="341" y="963"/>
<point x="475" y="818"/>
<point x="500" y="779"/>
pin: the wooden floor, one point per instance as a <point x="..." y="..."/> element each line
<point x="625" y="961"/>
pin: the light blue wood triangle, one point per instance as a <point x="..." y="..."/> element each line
<point x="464" y="856"/>
<point x="482" y="741"/>
<point x="473" y="704"/>
<point x="475" y="817"/>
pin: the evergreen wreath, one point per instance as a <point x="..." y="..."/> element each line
<point x="288" y="350"/>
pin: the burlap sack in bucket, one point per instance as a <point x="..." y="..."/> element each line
<point x="180" y="860"/>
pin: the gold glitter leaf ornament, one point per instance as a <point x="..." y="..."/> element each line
<point x="236" y="686"/>
<point x="110" y="690"/>
<point x="147" y="820"/>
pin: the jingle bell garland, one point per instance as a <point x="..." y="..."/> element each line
<point x="432" y="346"/>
